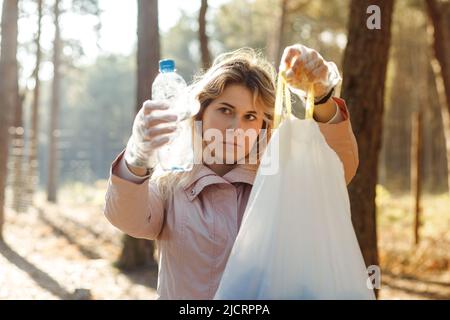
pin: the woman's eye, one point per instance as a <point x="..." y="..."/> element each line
<point x="225" y="110"/>
<point x="251" y="117"/>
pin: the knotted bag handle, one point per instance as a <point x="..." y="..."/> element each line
<point x="283" y="97"/>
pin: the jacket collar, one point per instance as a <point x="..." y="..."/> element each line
<point x="204" y="176"/>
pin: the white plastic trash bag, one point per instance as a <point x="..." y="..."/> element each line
<point x="296" y="239"/>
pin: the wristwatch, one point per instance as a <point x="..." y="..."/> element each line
<point x="322" y="100"/>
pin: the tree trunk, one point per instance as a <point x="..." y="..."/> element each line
<point x="365" y="64"/>
<point x="445" y="115"/>
<point x="8" y="89"/>
<point x="416" y="170"/>
<point x="148" y="54"/>
<point x="18" y="148"/>
<point x="400" y="103"/>
<point x="275" y="41"/>
<point x="439" y="13"/>
<point x="438" y="121"/>
<point x="203" y="38"/>
<point x="138" y="252"/>
<point x="53" y="164"/>
<point x="281" y="30"/>
<point x="34" y="132"/>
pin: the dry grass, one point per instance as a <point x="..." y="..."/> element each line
<point x="422" y="270"/>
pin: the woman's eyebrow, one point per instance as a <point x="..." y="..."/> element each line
<point x="233" y="107"/>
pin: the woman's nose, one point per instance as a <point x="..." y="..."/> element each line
<point x="235" y="123"/>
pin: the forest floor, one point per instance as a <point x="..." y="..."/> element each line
<point x="411" y="271"/>
<point x="67" y="251"/>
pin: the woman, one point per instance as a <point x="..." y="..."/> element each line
<point x="195" y="216"/>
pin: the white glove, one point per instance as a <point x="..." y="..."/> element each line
<point x="302" y="66"/>
<point x="151" y="130"/>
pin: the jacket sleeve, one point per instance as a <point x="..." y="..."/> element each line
<point x="341" y="139"/>
<point x="137" y="209"/>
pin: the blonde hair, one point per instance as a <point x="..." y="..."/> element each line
<point x="245" y="67"/>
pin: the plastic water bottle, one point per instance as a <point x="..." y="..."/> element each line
<point x="169" y="86"/>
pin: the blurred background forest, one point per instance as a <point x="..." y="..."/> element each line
<point x="73" y="73"/>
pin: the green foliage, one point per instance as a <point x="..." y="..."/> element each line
<point x="96" y="118"/>
<point x="181" y="44"/>
<point x="254" y="23"/>
<point x="97" y="101"/>
<point x="243" y="24"/>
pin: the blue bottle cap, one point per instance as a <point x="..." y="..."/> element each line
<point x="167" y="65"/>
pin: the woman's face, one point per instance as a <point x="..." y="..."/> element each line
<point x="231" y="124"/>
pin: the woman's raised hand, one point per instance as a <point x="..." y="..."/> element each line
<point x="151" y="130"/>
<point x="302" y="66"/>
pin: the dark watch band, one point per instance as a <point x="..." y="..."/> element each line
<point x="326" y="98"/>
